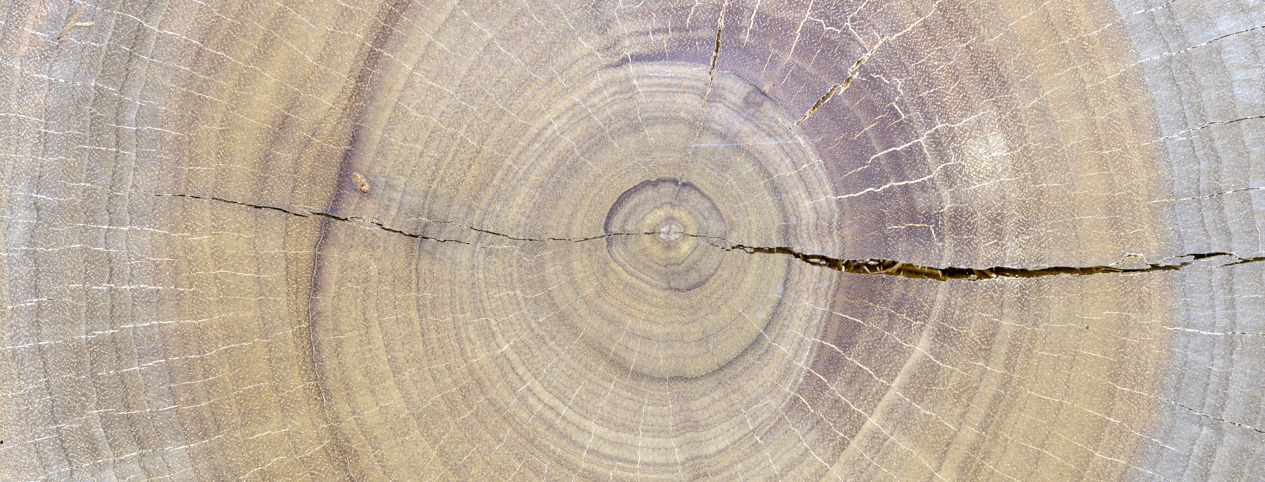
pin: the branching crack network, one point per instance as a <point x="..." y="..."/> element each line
<point x="867" y="266"/>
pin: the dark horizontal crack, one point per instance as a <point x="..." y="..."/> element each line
<point x="1232" y="121"/>
<point x="879" y="266"/>
<point x="1213" y="417"/>
<point x="867" y="266"/>
<point x="384" y="227"/>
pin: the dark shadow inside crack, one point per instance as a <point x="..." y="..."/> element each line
<point x="879" y="266"/>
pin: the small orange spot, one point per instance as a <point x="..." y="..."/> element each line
<point x="361" y="183"/>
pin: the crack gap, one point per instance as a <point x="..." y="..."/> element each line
<point x="838" y="88"/>
<point x="890" y="267"/>
<point x="720" y="27"/>
<point x="711" y="71"/>
<point x="867" y="266"/>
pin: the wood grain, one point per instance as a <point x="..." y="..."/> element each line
<point x="486" y="240"/>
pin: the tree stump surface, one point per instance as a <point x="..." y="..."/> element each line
<point x="899" y="240"/>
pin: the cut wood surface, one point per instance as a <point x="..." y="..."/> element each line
<point x="932" y="240"/>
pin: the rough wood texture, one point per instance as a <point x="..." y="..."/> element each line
<point x="529" y="241"/>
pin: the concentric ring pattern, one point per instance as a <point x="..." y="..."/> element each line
<point x="593" y="241"/>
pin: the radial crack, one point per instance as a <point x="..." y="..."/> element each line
<point x="720" y="27"/>
<point x="838" y="88"/>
